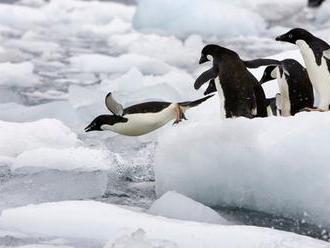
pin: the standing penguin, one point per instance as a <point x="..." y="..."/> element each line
<point x="296" y="90"/>
<point x="315" y="3"/>
<point x="243" y="95"/>
<point x="141" y="118"/>
<point x="316" y="54"/>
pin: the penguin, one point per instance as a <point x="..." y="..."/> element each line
<point x="296" y="90"/>
<point x="316" y="54"/>
<point x="243" y="95"/>
<point x="270" y="102"/>
<point x="141" y="118"/>
<point x="315" y="3"/>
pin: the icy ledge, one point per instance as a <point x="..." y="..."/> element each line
<point x="95" y="220"/>
<point x="274" y="165"/>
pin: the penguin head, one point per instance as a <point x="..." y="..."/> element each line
<point x="101" y="121"/>
<point x="214" y="51"/>
<point x="295" y="34"/>
<point x="314" y="3"/>
<point x="269" y="74"/>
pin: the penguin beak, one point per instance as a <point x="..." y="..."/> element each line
<point x="203" y="59"/>
<point x="284" y="37"/>
<point x="88" y="128"/>
<point x="279" y="38"/>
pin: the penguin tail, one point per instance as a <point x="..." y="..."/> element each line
<point x="195" y="103"/>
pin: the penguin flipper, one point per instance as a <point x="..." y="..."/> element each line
<point x="114" y="107"/>
<point x="205" y="77"/>
<point x="211" y="88"/>
<point x="195" y="103"/>
<point x="255" y="63"/>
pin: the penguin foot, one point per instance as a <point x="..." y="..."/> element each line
<point x="179" y="115"/>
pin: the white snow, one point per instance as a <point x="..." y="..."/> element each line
<point x="207" y="18"/>
<point x="95" y="220"/>
<point x="166" y="48"/>
<point x="16" y="138"/>
<point x="18" y="74"/>
<point x="80" y="158"/>
<point x="274" y="165"/>
<point x="178" y="206"/>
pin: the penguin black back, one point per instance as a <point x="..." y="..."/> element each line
<point x="242" y="92"/>
<point x="300" y="89"/>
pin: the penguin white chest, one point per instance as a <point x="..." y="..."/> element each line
<point x="140" y="124"/>
<point x="318" y="74"/>
<point x="221" y="97"/>
<point x="284" y="89"/>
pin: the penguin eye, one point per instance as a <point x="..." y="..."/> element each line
<point x="290" y="36"/>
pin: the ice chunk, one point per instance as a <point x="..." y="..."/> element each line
<point x="273" y="165"/>
<point x="18" y="74"/>
<point x="60" y="110"/>
<point x="20" y="16"/>
<point x="97" y="220"/>
<point x="168" y="49"/>
<point x="108" y="64"/>
<point x="207" y="18"/>
<point x="78" y="159"/>
<point x="16" y="138"/>
<point x="171" y="205"/>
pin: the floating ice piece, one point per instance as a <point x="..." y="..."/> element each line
<point x="97" y="220"/>
<point x="178" y="206"/>
<point x="16" y="138"/>
<point x="168" y="49"/>
<point x="78" y="159"/>
<point x="18" y="74"/>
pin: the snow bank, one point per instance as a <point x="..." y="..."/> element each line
<point x="18" y="74"/>
<point x="177" y="206"/>
<point x="275" y="165"/>
<point x="16" y="138"/>
<point x="97" y="220"/>
<point x="207" y="18"/>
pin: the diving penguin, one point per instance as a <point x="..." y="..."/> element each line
<point x="296" y="90"/>
<point x="141" y="118"/>
<point x="243" y="95"/>
<point x="316" y="54"/>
